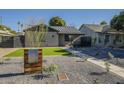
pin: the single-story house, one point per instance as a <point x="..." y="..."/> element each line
<point x="103" y="35"/>
<point x="5" y="38"/>
<point x="53" y="36"/>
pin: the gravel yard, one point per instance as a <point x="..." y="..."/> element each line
<point x="78" y="72"/>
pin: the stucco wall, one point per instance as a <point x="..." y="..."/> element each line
<point x="61" y="40"/>
<point x="50" y="40"/>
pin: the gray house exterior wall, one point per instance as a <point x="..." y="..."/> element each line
<point x="6" y="39"/>
<point x="50" y="40"/>
<point x="99" y="38"/>
<point x="92" y="34"/>
<point x="63" y="42"/>
<point x="53" y="36"/>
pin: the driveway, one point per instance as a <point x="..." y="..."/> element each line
<point x="78" y="72"/>
<point x="101" y="53"/>
<point x="5" y="51"/>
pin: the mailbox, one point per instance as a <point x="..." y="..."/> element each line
<point x="32" y="60"/>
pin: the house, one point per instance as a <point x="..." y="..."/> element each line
<point x="53" y="36"/>
<point x="6" y="39"/>
<point x="103" y="35"/>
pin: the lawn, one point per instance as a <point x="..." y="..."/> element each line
<point x="46" y="52"/>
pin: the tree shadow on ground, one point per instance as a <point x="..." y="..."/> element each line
<point x="101" y="53"/>
<point x="98" y="73"/>
<point x="10" y="75"/>
<point x="65" y="53"/>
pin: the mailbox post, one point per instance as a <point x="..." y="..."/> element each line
<point x="32" y="60"/>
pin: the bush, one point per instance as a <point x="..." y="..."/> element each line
<point x="52" y="69"/>
<point x="107" y="66"/>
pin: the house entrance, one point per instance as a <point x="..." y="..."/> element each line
<point x="86" y="41"/>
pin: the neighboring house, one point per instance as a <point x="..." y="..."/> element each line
<point x="103" y="35"/>
<point x="6" y="39"/>
<point x="19" y="40"/>
<point x="55" y="36"/>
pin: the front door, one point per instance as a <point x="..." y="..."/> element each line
<point x="107" y="38"/>
<point x="86" y="41"/>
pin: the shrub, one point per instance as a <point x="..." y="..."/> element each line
<point x="52" y="69"/>
<point x="107" y="66"/>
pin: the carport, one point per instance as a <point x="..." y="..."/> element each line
<point x="86" y="41"/>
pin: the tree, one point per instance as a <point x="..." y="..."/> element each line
<point x="18" y="23"/>
<point x="21" y="27"/>
<point x="103" y="23"/>
<point x="57" y="21"/>
<point x="117" y="21"/>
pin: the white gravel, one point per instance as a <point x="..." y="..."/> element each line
<point x="78" y="72"/>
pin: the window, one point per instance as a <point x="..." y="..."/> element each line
<point x="66" y="37"/>
<point x="107" y="39"/>
<point x="99" y="40"/>
<point x="118" y="38"/>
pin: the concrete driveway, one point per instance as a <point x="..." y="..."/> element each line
<point x="5" y="51"/>
<point x="100" y="53"/>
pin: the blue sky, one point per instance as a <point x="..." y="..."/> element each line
<point x="74" y="17"/>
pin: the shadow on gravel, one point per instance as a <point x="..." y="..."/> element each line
<point x="65" y="53"/>
<point x="40" y="76"/>
<point x="11" y="63"/>
<point x="10" y="75"/>
<point x="98" y="73"/>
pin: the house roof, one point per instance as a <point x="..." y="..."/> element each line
<point x="20" y="33"/>
<point x="5" y="33"/>
<point x="101" y="28"/>
<point x="94" y="27"/>
<point x="60" y="29"/>
<point x="66" y="29"/>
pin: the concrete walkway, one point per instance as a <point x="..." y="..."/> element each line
<point x="113" y="68"/>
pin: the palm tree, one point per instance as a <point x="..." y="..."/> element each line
<point x="18" y="25"/>
<point x="21" y="27"/>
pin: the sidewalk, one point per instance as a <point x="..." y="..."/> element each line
<point x="113" y="68"/>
